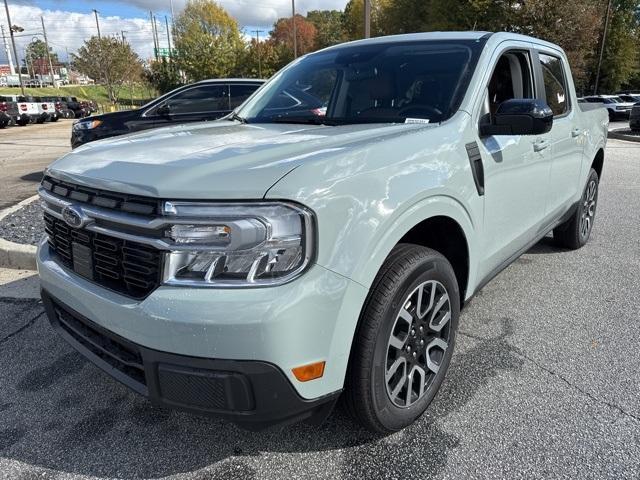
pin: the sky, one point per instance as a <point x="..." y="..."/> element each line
<point x="70" y="22"/>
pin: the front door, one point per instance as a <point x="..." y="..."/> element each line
<point x="516" y="167"/>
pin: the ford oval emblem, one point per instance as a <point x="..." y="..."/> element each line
<point x="74" y="216"/>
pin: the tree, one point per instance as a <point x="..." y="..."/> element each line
<point x="163" y="76"/>
<point x="207" y="40"/>
<point x="621" y="62"/>
<point x="108" y="61"/>
<point x="354" y="18"/>
<point x="260" y="59"/>
<point x="38" y="49"/>
<point x="282" y="37"/>
<point x="329" y="27"/>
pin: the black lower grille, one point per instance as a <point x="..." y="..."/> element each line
<point x="119" y="354"/>
<point x="126" y="267"/>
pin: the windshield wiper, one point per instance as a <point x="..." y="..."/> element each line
<point x="234" y="117"/>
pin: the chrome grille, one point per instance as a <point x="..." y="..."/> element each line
<point x="126" y="267"/>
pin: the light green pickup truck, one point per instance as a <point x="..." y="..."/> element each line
<point x="321" y="240"/>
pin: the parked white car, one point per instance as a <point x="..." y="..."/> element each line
<point x="258" y="267"/>
<point x="616" y="107"/>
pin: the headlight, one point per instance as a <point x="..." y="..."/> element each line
<point x="87" y="125"/>
<point x="237" y="245"/>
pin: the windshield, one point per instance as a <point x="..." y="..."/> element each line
<point x="370" y="83"/>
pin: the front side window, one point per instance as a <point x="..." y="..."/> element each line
<point x="200" y="99"/>
<point x="555" y="84"/>
<point x="378" y="82"/>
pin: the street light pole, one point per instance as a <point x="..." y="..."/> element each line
<point x="46" y="44"/>
<point x="15" y="50"/>
<point x="295" y="36"/>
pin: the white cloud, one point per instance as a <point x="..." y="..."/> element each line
<point x="249" y="12"/>
<point x="67" y="30"/>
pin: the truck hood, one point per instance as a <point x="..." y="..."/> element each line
<point x="214" y="160"/>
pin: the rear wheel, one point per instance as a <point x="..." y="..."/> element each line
<point x="405" y="339"/>
<point x="575" y="232"/>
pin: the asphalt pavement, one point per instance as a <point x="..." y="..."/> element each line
<point x="24" y="153"/>
<point x="543" y="384"/>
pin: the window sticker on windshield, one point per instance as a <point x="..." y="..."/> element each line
<point x="416" y="120"/>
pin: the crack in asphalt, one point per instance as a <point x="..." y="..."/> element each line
<point x="22" y="328"/>
<point x="565" y="380"/>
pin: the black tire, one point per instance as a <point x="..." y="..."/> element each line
<point x="367" y="395"/>
<point x="23" y="123"/>
<point x="575" y="232"/>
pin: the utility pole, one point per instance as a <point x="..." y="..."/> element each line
<point x="604" y="39"/>
<point x="124" y="39"/>
<point x="367" y="18"/>
<point x="7" y="50"/>
<point x="173" y="16"/>
<point x="258" y="32"/>
<point x="46" y="44"/>
<point x="95" y="12"/>
<point x="166" y="22"/>
<point x="295" y="35"/>
<point x="154" y="33"/>
<point x="15" y="50"/>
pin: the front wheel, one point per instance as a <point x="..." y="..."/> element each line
<point x="405" y="339"/>
<point x="575" y="232"/>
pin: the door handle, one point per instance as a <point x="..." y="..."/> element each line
<point x="576" y="132"/>
<point x="540" y="145"/>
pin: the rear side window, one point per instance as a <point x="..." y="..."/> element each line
<point x="204" y="98"/>
<point x="555" y="84"/>
<point x="239" y="93"/>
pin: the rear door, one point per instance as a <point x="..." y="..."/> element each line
<point x="567" y="135"/>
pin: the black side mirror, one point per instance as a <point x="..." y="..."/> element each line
<point x="163" y="110"/>
<point x="520" y="116"/>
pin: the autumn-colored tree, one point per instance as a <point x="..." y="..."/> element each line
<point x="108" y="61"/>
<point x="329" y="27"/>
<point x="207" y="40"/>
<point x="282" y="37"/>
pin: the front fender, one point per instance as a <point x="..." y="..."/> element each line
<point x="370" y="261"/>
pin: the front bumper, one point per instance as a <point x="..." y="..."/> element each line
<point x="310" y="319"/>
<point x="250" y="393"/>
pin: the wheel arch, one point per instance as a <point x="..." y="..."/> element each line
<point x="598" y="162"/>
<point x="441" y="223"/>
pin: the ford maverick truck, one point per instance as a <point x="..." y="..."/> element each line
<point x="320" y="240"/>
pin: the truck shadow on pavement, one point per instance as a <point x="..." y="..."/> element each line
<point x="60" y="413"/>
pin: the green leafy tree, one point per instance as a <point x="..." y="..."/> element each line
<point x="110" y="62"/>
<point x="260" y="59"/>
<point x="621" y="59"/>
<point x="163" y="76"/>
<point x="207" y="40"/>
<point x="329" y="27"/>
<point x="354" y="18"/>
<point x="37" y="49"/>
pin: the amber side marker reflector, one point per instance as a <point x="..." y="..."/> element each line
<point x="309" y="372"/>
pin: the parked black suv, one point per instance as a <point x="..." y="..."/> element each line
<point x="202" y="101"/>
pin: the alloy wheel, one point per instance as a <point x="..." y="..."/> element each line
<point x="589" y="200"/>
<point x="418" y="343"/>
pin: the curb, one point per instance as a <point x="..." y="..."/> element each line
<point x="16" y="255"/>
<point x="615" y="134"/>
